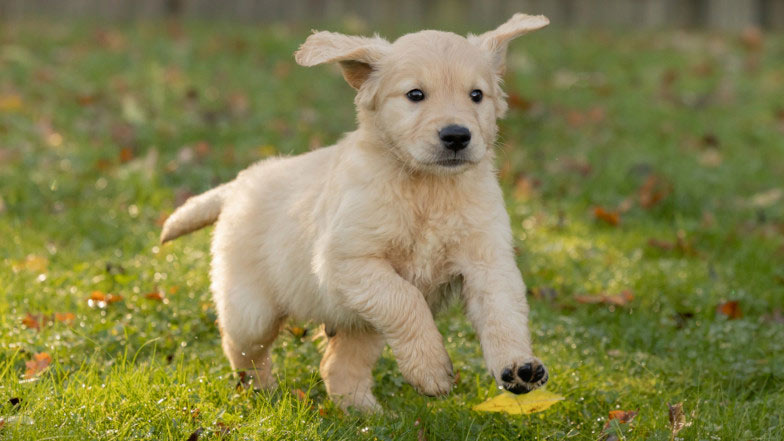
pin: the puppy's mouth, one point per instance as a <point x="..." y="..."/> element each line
<point x="452" y="162"/>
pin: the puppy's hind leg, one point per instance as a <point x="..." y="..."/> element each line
<point x="347" y="368"/>
<point x="251" y="360"/>
<point x="249" y="323"/>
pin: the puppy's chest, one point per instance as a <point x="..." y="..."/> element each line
<point x="423" y="254"/>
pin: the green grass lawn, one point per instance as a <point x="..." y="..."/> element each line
<point x="103" y="131"/>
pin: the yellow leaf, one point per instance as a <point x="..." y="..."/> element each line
<point x="532" y="402"/>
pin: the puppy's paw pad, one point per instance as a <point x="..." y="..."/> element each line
<point x="521" y="378"/>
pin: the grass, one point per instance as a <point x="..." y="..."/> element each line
<point x="104" y="130"/>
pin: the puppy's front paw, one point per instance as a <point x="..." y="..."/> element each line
<point x="521" y="378"/>
<point x="430" y="376"/>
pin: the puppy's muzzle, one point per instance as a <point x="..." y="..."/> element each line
<point x="455" y="137"/>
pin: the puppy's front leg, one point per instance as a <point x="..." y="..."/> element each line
<point x="371" y="288"/>
<point x="494" y="293"/>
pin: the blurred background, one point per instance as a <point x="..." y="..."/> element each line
<point x="641" y="160"/>
<point x="720" y="14"/>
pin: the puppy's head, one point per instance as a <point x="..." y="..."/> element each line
<point x="432" y="97"/>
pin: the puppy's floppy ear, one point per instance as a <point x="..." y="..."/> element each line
<point x="497" y="40"/>
<point x="356" y="55"/>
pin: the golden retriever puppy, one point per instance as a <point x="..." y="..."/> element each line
<point x="371" y="235"/>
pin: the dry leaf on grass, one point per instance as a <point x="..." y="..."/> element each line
<point x="300" y="395"/>
<point x="653" y="191"/>
<point x="730" y="309"/>
<point x="100" y="299"/>
<point x="38" y="321"/>
<point x="38" y="364"/>
<point x="155" y="295"/>
<point x="618" y="299"/>
<point x="518" y="102"/>
<point x="532" y="402"/>
<point x="623" y="416"/>
<point x="677" y="419"/>
<point x="612" y="432"/>
<point x="681" y="244"/>
<point x="34" y="321"/>
<point x="65" y="317"/>
<point x="610" y="217"/>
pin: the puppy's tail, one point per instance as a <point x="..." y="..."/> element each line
<point x="197" y="212"/>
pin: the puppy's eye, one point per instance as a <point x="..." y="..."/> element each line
<point x="415" y="95"/>
<point x="476" y="95"/>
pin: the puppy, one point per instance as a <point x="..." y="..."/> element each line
<point x="369" y="236"/>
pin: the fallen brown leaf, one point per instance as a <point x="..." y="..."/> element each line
<point x="86" y="100"/>
<point x="38" y="321"/>
<point x="101" y="300"/>
<point x="38" y="364"/>
<point x="65" y="317"/>
<point x="623" y="416"/>
<point x="223" y="428"/>
<point x="653" y="191"/>
<point x="730" y="309"/>
<point x="677" y="419"/>
<point x="518" y="102"/>
<point x="660" y="244"/>
<point x="681" y="244"/>
<point x="618" y="299"/>
<point x="610" y="217"/>
<point x="300" y="395"/>
<point x="155" y="295"/>
<point x="126" y="154"/>
<point x="34" y="321"/>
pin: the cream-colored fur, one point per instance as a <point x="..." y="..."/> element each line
<point x="366" y="236"/>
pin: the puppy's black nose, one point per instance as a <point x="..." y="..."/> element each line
<point x="455" y="137"/>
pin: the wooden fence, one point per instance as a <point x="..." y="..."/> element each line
<point x="718" y="14"/>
